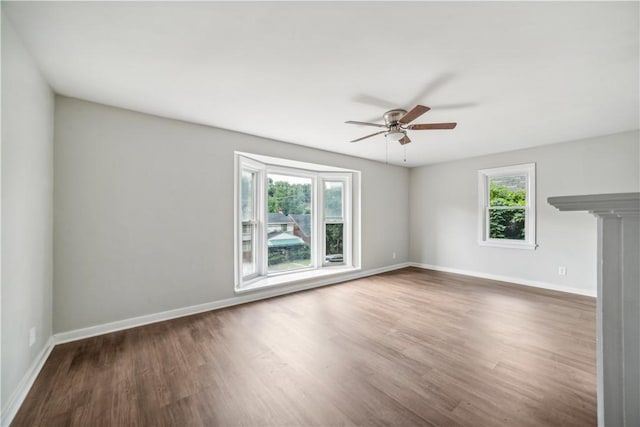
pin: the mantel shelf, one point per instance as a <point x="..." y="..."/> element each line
<point x="599" y="204"/>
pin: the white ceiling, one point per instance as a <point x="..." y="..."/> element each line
<point x="512" y="75"/>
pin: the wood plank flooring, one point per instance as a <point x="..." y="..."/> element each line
<point x="410" y="347"/>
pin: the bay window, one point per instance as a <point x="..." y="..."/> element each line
<point x="294" y="221"/>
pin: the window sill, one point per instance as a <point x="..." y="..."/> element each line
<point x="303" y="277"/>
<point x="508" y="244"/>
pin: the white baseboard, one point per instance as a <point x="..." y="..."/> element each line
<point x="515" y="280"/>
<point x="15" y="400"/>
<point x="133" y="322"/>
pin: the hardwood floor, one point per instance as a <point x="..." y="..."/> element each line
<point x="410" y="347"/>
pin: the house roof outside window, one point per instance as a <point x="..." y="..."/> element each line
<point x="279" y="218"/>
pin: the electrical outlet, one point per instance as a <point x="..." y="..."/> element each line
<point x="562" y="270"/>
<point x="32" y="336"/>
<point x="393" y="255"/>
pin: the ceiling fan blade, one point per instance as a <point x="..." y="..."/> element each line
<point x="427" y="126"/>
<point x="351" y="122"/>
<point x="405" y="140"/>
<point x="454" y="106"/>
<point x="368" y="136"/>
<point x="376" y="102"/>
<point x="415" y="112"/>
<point x="431" y="87"/>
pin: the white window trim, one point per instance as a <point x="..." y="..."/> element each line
<point x="262" y="166"/>
<point x="259" y="192"/>
<point x="528" y="169"/>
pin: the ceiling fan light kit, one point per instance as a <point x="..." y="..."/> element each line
<point x="395" y="135"/>
<point x="397" y="123"/>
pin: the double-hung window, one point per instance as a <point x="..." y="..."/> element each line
<point x="507" y="214"/>
<point x="294" y="221"/>
<point x="334" y="220"/>
<point x="249" y="230"/>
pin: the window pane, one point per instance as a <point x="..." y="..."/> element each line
<point x="246" y="195"/>
<point x="333" y="199"/>
<point x="507" y="224"/>
<point x="248" y="249"/>
<point x="334" y="238"/>
<point x="508" y="190"/>
<point x="289" y="222"/>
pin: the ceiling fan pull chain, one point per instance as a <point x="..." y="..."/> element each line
<point x="405" y="153"/>
<point x="386" y="152"/>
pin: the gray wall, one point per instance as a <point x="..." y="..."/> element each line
<point x="27" y="183"/>
<point x="144" y="211"/>
<point x="444" y="210"/>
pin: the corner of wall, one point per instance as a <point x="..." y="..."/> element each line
<point x="26" y="221"/>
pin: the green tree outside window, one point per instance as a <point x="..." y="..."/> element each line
<point x="506" y="223"/>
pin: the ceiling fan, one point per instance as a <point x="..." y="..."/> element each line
<point x="397" y="124"/>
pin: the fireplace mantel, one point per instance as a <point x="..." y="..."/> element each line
<point x="599" y="204"/>
<point x="618" y="305"/>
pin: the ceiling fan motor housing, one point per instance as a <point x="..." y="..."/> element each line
<point x="391" y="117"/>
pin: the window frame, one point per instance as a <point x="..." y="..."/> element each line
<point x="263" y="166"/>
<point x="484" y="177"/>
<point x="346" y="214"/>
<point x="298" y="173"/>
<point x="259" y="171"/>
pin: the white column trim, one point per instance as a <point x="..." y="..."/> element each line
<point x="618" y="318"/>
